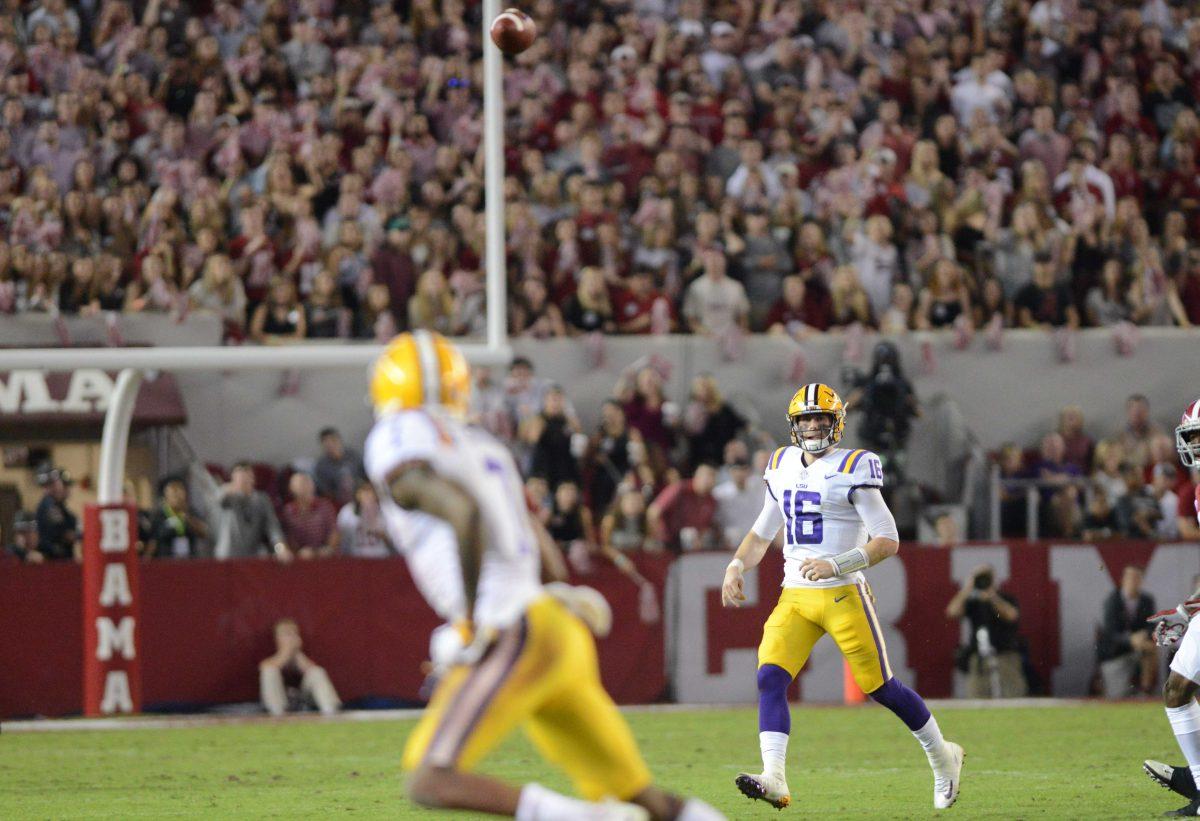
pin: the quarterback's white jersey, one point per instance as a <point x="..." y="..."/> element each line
<point x="819" y="518"/>
<point x="509" y="577"/>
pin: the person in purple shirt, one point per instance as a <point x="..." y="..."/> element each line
<point x="1060" y="510"/>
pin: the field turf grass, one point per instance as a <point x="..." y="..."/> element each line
<point x="1043" y="762"/>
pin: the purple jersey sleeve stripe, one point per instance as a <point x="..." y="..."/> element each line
<point x="858" y="455"/>
<point x="845" y="460"/>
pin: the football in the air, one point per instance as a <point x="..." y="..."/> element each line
<point x="513" y="31"/>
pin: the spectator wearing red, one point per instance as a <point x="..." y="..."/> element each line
<point x="1078" y="447"/>
<point x="309" y="521"/>
<point x="684" y="515"/>
<point x="802" y="309"/>
<point x="640" y="391"/>
<point x="639" y="304"/>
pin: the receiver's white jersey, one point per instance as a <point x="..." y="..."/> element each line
<point x="819" y="518"/>
<point x="510" y="572"/>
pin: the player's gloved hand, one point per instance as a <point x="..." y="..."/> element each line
<point x="1169" y="626"/>
<point x="586" y="603"/>
<point x="453" y="644"/>
<point x="731" y="588"/>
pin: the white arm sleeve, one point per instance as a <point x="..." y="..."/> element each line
<point x="770" y="519"/>
<point x="869" y="503"/>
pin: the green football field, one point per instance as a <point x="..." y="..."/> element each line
<point x="1080" y="761"/>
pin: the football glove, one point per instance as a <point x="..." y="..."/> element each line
<point x="586" y="603"/>
<point x="453" y="644"/>
<point x="1170" y="625"/>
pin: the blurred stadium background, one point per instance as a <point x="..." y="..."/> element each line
<point x="976" y="220"/>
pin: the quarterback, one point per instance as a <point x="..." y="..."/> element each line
<point x="1177" y="628"/>
<point x="836" y="523"/>
<point x="512" y="652"/>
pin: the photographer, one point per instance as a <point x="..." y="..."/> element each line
<point x="991" y="659"/>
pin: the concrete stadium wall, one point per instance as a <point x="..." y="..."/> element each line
<point x="1013" y="394"/>
<point x="1010" y="394"/>
<point x="41" y="331"/>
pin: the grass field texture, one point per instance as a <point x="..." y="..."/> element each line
<point x="1041" y="762"/>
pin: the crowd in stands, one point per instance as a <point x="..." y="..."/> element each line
<point x="313" y="169"/>
<point x="1129" y="485"/>
<point x="651" y="476"/>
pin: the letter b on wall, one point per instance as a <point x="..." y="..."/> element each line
<point x="112" y="681"/>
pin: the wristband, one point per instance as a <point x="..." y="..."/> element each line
<point x="739" y="564"/>
<point x="850" y="561"/>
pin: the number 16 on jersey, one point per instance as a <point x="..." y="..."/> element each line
<point x="803" y="509"/>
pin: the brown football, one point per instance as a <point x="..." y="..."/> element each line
<point x="513" y="31"/>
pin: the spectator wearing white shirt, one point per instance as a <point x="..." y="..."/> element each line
<point x="976" y="89"/>
<point x="1093" y="175"/>
<point x="739" y="497"/>
<point x="753" y="169"/>
<point x="361" y="524"/>
<point x="718" y="59"/>
<point x="877" y="261"/>
<point x="714" y="304"/>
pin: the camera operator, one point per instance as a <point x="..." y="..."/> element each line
<point x="888" y="404"/>
<point x="991" y="659"/>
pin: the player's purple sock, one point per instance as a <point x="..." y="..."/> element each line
<point x="901" y="700"/>
<point x="773" y="713"/>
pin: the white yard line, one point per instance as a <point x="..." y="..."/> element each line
<point x="71" y="725"/>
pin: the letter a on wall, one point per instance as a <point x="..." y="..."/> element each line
<point x="112" y="676"/>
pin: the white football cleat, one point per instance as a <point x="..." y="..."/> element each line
<point x="1161" y="773"/>
<point x="946" y="778"/>
<point x="767" y="788"/>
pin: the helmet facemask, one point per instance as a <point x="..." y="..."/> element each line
<point x="1187" y="442"/>
<point x="828" y="431"/>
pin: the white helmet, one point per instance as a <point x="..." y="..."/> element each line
<point x="1187" y="436"/>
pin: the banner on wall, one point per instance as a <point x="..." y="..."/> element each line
<point x="1060" y="591"/>
<point x="189" y="634"/>
<point x="112" y="681"/>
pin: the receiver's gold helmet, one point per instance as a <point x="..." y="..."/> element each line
<point x="817" y="398"/>
<point x="420" y="369"/>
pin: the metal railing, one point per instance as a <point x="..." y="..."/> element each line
<point x="1032" y="489"/>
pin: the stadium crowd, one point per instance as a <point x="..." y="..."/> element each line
<point x="313" y="170"/>
<point x="1129" y="484"/>
<point x="651" y="476"/>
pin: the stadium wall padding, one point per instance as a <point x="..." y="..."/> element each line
<point x="205" y="625"/>
<point x="1013" y="394"/>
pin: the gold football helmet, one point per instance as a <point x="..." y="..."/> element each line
<point x="817" y="398"/>
<point x="420" y="369"/>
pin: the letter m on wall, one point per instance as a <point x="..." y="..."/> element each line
<point x="112" y="638"/>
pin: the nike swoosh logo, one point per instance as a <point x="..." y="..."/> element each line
<point x="950" y="792"/>
<point x="839" y="598"/>
<point x="830" y="476"/>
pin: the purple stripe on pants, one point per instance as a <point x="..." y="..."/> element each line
<point x="883" y="666"/>
<point x="482" y="685"/>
